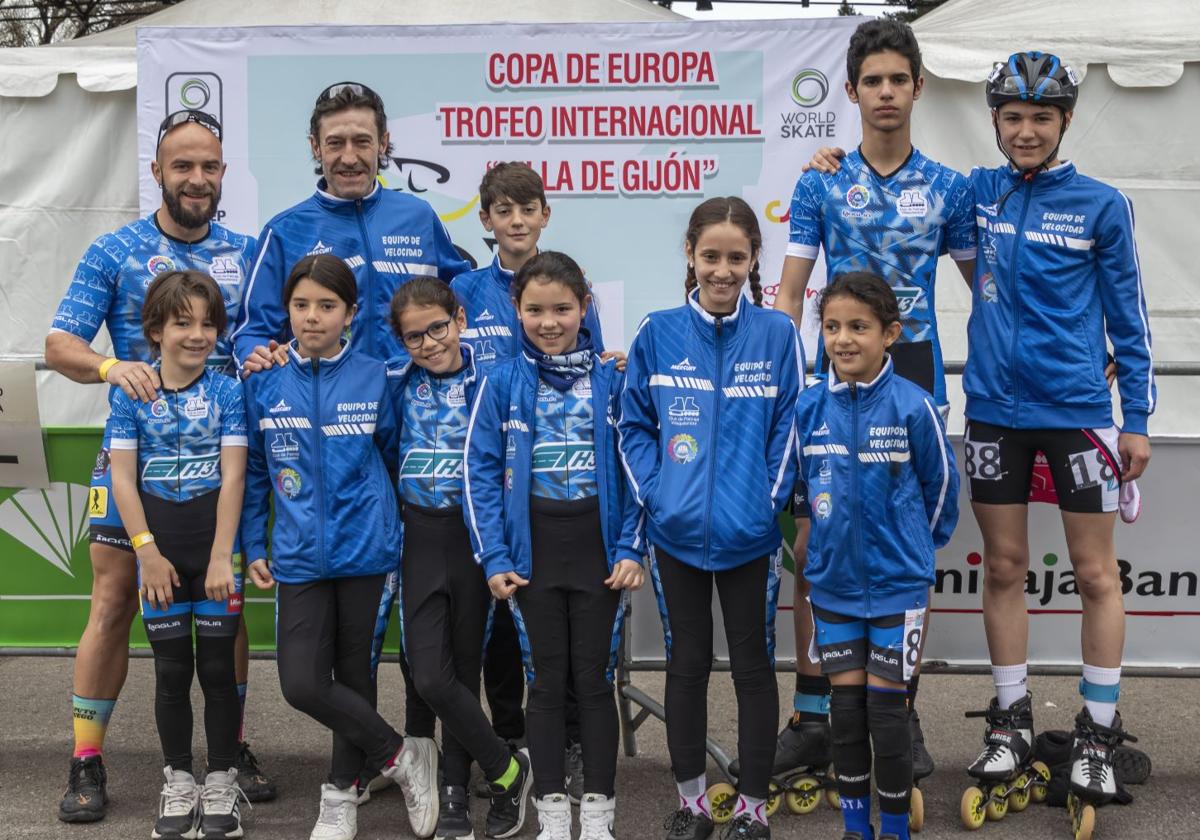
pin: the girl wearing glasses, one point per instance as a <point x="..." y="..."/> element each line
<point x="444" y="597"/>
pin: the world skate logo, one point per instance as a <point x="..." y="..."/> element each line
<point x="686" y="364"/>
<point x="684" y="411"/>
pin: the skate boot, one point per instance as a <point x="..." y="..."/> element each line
<point x="1093" y="778"/>
<point x="922" y="761"/>
<point x="802" y="744"/>
<point x="1008" y="776"/>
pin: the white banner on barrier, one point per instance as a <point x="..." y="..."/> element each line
<point x="631" y="126"/>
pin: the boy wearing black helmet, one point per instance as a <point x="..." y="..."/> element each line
<point x="1057" y="273"/>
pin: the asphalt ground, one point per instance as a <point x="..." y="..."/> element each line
<point x="35" y="747"/>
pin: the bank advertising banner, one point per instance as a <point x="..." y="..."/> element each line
<point x="630" y="126"/>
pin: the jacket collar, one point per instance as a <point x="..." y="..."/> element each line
<point x="706" y="322"/>
<point x="1048" y="179"/>
<point x="346" y="205"/>
<point x="304" y="366"/>
<point x="867" y="391"/>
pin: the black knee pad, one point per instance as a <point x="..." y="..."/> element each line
<point x="848" y="714"/>
<point x="887" y="717"/>
<point x="173" y="666"/>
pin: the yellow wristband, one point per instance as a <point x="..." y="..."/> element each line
<point x="105" y="367"/>
<point x="139" y="540"/>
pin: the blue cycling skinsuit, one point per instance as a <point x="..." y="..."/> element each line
<point x="895" y="226"/>
<point x="109" y="287"/>
<point x="1057" y="273"/>
<point x="546" y="498"/>
<point x="322" y="432"/>
<point x="710" y="397"/>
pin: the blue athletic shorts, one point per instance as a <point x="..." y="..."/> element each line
<point x="887" y="646"/>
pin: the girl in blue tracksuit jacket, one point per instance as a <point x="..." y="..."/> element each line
<point x="445" y="602"/>
<point x="322" y="429"/>
<point x="707" y="432"/>
<point x="878" y="474"/>
<point x="1057" y="275"/>
<point x="557" y="530"/>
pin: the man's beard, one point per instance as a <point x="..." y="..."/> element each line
<point x="185" y="218"/>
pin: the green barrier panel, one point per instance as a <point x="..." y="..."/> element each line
<point x="45" y="572"/>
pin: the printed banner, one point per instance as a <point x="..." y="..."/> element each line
<point x="630" y="125"/>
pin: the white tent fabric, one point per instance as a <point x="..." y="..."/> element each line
<point x="1144" y="43"/>
<point x="69" y="169"/>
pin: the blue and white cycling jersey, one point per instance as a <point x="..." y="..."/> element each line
<point x="434" y="411"/>
<point x="895" y="226"/>
<point x="178" y="437"/>
<point x="564" y="447"/>
<point x="110" y="283"/>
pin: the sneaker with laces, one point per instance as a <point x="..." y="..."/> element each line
<point x="454" y="815"/>
<point x="178" y="807"/>
<point x="745" y="827"/>
<point x="686" y="824"/>
<point x="220" y="809"/>
<point x="554" y="817"/>
<point x="252" y="781"/>
<point x="338" y="818"/>
<point x="415" y="770"/>
<point x="86" y="797"/>
<point x="506" y="815"/>
<point x="596" y="815"/>
<point x="574" y="780"/>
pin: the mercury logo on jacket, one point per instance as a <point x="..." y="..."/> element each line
<point x="879" y="474"/>
<point x="708" y="427"/>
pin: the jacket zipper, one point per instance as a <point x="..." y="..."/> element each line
<point x="858" y="554"/>
<point x="712" y="467"/>
<point x="1016" y="374"/>
<point x="316" y="372"/>
<point x="369" y="295"/>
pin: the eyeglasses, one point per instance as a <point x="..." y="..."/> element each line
<point x="178" y="118"/>
<point x="356" y="88"/>
<point x="437" y="331"/>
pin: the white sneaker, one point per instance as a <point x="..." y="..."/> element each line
<point x="338" y="819"/>
<point x="554" y="817"/>
<point x="596" y="813"/>
<point x="416" y="770"/>
<point x="220" y="811"/>
<point x="178" y="807"/>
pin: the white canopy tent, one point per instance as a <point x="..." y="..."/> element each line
<point x="69" y="168"/>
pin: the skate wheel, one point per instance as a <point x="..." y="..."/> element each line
<point x="971" y="809"/>
<point x="1018" y="795"/>
<point x="997" y="803"/>
<point x="722" y="799"/>
<point x="916" y="810"/>
<point x="804" y="795"/>
<point x="1041" y="778"/>
<point x="774" y="799"/>
<point x="1084" y="821"/>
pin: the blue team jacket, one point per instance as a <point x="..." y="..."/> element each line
<point x="386" y="238"/>
<point x="493" y="330"/>
<point x="879" y="476"/>
<point x="322" y="432"/>
<point x="708" y="427"/>
<point x="499" y="471"/>
<point x="1057" y="270"/>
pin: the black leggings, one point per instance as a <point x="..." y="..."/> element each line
<point x="685" y="594"/>
<point x="445" y="601"/>
<point x="184" y="534"/>
<point x="323" y="641"/>
<point x="569" y="620"/>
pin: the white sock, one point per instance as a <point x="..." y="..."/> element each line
<point x="1102" y="711"/>
<point x="692" y="795"/>
<point x="756" y="808"/>
<point x="1011" y="683"/>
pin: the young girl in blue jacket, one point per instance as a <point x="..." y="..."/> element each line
<point x="444" y="597"/>
<point x="557" y="530"/>
<point x="320" y="430"/>
<point x="878" y="474"/>
<point x="707" y="435"/>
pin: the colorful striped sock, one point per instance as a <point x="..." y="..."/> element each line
<point x="91" y="722"/>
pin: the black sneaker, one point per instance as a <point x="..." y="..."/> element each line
<point x="255" y="785"/>
<point x="178" y="807"/>
<point x="220" y="810"/>
<point x="745" y="827"/>
<point x="506" y="815"/>
<point x="454" y="815"/>
<point x="685" y="824"/>
<point x="86" y="798"/>
<point x="922" y="761"/>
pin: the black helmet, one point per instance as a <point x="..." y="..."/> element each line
<point x="1033" y="77"/>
